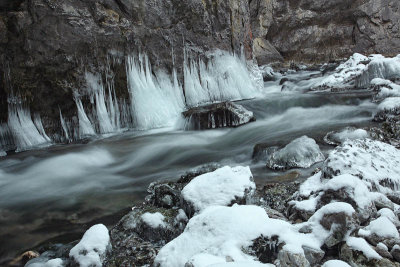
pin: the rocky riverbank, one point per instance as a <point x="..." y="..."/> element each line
<point x="348" y="210"/>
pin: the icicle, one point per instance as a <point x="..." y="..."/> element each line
<point x="39" y="126"/>
<point x="85" y="126"/>
<point x="25" y="133"/>
<point x="156" y="101"/>
<point x="64" y="126"/>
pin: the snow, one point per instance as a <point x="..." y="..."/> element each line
<point x="388" y="213"/>
<point x="220" y="187"/>
<point x="302" y="152"/>
<point x="2" y="153"/>
<point x="154" y="220"/>
<point x="241" y="264"/>
<point x="372" y="161"/>
<point x="92" y="247"/>
<point x="381" y="227"/>
<point x="335" y="207"/>
<point x="335" y="263"/>
<point x="310" y="185"/>
<point x="360" y="244"/>
<point x="355" y="188"/>
<point x="382" y="246"/>
<point x="223" y="231"/>
<point x="345" y="71"/>
<point x="390" y="103"/>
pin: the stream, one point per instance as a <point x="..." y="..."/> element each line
<point x="54" y="194"/>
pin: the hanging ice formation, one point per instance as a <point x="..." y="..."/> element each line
<point x="25" y="133"/>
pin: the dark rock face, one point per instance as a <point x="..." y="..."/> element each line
<point x="308" y="30"/>
<point x="46" y="46"/>
<point x="219" y="115"/>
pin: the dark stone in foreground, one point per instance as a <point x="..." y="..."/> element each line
<point x="220" y="115"/>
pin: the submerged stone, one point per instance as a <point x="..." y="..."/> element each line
<point x="219" y="115"/>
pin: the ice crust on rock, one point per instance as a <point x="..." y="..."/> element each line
<point x="348" y="133"/>
<point x="220" y="187"/>
<point x="91" y="250"/>
<point x="379" y="67"/>
<point x="223" y="231"/>
<point x="302" y="152"/>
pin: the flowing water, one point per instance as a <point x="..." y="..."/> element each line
<point x="55" y="193"/>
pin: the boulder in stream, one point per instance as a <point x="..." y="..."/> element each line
<point x="302" y="152"/>
<point x="218" y="115"/>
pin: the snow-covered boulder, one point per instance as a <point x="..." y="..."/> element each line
<point x="348" y="133"/>
<point x="154" y="224"/>
<point x="302" y="152"/>
<point x="374" y="162"/>
<point x="91" y="250"/>
<point x="219" y="233"/>
<point x="333" y="223"/>
<point x="224" y="186"/>
<point x="346" y="73"/>
<point x="378" y="230"/>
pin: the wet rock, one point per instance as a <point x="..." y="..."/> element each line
<point x="266" y="249"/>
<point x="313" y="256"/>
<point x="340" y="225"/>
<point x="394" y="197"/>
<point x="131" y="250"/>
<point x="218" y="115"/>
<point x="289" y="259"/>
<point x="345" y="195"/>
<point x="277" y="195"/>
<point x="24" y="258"/>
<point x="383" y="251"/>
<point x="162" y="225"/>
<point x="164" y="195"/>
<point x="262" y="152"/>
<point x="395" y="252"/>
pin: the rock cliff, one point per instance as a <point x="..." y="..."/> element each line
<point x="46" y="46"/>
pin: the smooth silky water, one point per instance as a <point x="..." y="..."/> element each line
<point x="54" y="194"/>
